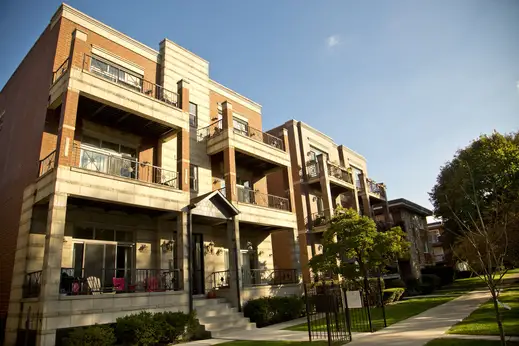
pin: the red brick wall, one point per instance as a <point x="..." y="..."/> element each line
<point x="254" y="118"/>
<point x="24" y="99"/>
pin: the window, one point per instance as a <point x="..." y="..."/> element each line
<point x="193" y="114"/>
<point x="115" y="73"/>
<point x="193" y="173"/>
<point x="240" y="126"/>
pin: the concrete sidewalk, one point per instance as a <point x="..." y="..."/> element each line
<point x="429" y="325"/>
<point x="479" y="337"/>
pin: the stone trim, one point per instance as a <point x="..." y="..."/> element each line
<point x="234" y="96"/>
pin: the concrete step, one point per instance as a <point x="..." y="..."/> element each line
<point x="215" y="310"/>
<point x="222" y="332"/>
<point x="228" y="319"/>
<point x="206" y="302"/>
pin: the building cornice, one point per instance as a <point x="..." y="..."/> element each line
<point x="233" y="95"/>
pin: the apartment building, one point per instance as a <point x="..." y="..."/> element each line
<point x="131" y="181"/>
<point x="435" y="230"/>
<point x="412" y="218"/>
<point x="325" y="176"/>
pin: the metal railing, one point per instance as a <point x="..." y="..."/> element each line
<point x="259" y="277"/>
<point x="258" y="135"/>
<point x="312" y="169"/>
<point x="439" y="258"/>
<point x="246" y="195"/>
<point x="102" y="162"/>
<point x="47" y="163"/>
<point x="60" y="71"/>
<point x="210" y="131"/>
<point x="32" y="285"/>
<point x="319" y="218"/>
<point x="221" y="279"/>
<point x="128" y="79"/>
<point x="376" y="188"/>
<point x="434" y="238"/>
<point x="75" y="281"/>
<point x="339" y="173"/>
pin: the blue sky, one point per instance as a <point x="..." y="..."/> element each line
<point x="404" y="83"/>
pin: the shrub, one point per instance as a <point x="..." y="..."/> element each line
<point x="269" y="310"/>
<point x="394" y="283"/>
<point x="446" y="274"/>
<point x="431" y="280"/>
<point x="392" y="295"/>
<point x="412" y="287"/>
<point x="96" y="335"/>
<point x="170" y="326"/>
<point x="138" y="329"/>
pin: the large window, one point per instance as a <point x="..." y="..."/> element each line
<point x="115" y="73"/>
<point x="193" y="114"/>
<point x="240" y="126"/>
<point x="193" y="173"/>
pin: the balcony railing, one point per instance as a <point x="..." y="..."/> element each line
<point x="376" y="188"/>
<point x="47" y="163"/>
<point x="246" y="195"/>
<point x="60" y="71"/>
<point x="319" y="218"/>
<point x="312" y="169"/>
<point x="128" y="79"/>
<point x="259" y="277"/>
<point x="340" y="173"/>
<point x="439" y="258"/>
<point x="125" y="167"/>
<point x="258" y="135"/>
<point x="124" y="280"/>
<point x="221" y="279"/>
<point x="32" y="285"/>
<point x="210" y="131"/>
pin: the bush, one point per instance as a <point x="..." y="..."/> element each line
<point x="431" y="280"/>
<point x="270" y="310"/>
<point x="446" y="274"/>
<point x="391" y="295"/>
<point x="170" y="326"/>
<point x="96" y="335"/>
<point x="394" y="283"/>
<point x="137" y="329"/>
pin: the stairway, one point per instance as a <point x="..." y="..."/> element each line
<point x="218" y="317"/>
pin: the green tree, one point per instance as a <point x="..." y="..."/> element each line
<point x="353" y="248"/>
<point x="476" y="194"/>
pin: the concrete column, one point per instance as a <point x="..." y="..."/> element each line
<point x="182" y="250"/>
<point x="365" y="196"/>
<point x="325" y="187"/>
<point x="235" y="265"/>
<point x="183" y="95"/>
<point x="229" y="159"/>
<point x="183" y="160"/>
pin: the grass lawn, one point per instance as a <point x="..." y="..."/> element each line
<point x="274" y="343"/>
<point x="482" y="321"/>
<point x="461" y="342"/>
<point x="394" y="313"/>
<point x="461" y="286"/>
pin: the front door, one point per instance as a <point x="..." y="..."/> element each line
<point x="197" y="248"/>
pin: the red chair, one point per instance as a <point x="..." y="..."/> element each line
<point x="118" y="284"/>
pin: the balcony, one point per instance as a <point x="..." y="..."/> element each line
<point x="319" y="220"/>
<point x="123" y="167"/>
<point x="96" y="281"/>
<point x="377" y="190"/>
<point x="250" y="196"/>
<point x="264" y="277"/>
<point x="340" y="177"/>
<point x="246" y="140"/>
<point x="435" y="240"/>
<point x="32" y="285"/>
<point x="439" y="258"/>
<point x="47" y="164"/>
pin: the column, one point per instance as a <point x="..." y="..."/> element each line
<point x="66" y="154"/>
<point x="183" y="160"/>
<point x="229" y="158"/>
<point x="325" y="187"/>
<point x="365" y="196"/>
<point x="183" y="95"/>
<point x="235" y="265"/>
<point x="182" y="246"/>
<point x="52" y="255"/>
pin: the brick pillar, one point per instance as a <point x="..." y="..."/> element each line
<point x="78" y="50"/>
<point x="288" y="183"/>
<point x="235" y="265"/>
<point x="229" y="158"/>
<point x="66" y="154"/>
<point x="182" y="250"/>
<point x="365" y="196"/>
<point x="183" y="95"/>
<point x="325" y="187"/>
<point x="183" y="159"/>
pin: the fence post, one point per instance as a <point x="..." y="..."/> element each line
<point x="308" y="314"/>
<point x="381" y="297"/>
<point x="346" y="310"/>
<point x="366" y="299"/>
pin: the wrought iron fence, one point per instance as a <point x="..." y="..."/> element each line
<point x="125" y="167"/>
<point x="126" y="78"/>
<point x="32" y="285"/>
<point x="340" y="173"/>
<point x="47" y="163"/>
<point x="246" y="195"/>
<point x="221" y="279"/>
<point x="319" y="218"/>
<point x="258" y="277"/>
<point x="60" y="71"/>
<point x="264" y="137"/>
<point x="210" y="131"/>
<point x="81" y="281"/>
<point x="376" y="188"/>
<point x="312" y="169"/>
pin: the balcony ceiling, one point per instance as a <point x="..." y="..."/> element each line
<point x="122" y="120"/>
<point x="253" y="163"/>
<point x="75" y="202"/>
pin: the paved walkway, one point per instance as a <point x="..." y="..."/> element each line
<point x="429" y="325"/>
<point x="479" y="337"/>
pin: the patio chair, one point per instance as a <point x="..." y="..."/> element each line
<point x="94" y="284"/>
<point x="119" y="284"/>
<point x="152" y="285"/>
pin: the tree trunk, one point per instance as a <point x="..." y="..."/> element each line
<point x="498" y="318"/>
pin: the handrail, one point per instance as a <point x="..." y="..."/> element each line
<point x="260" y="277"/>
<point x="261" y="136"/>
<point x="221" y="279"/>
<point x="47" y="163"/>
<point x="376" y="188"/>
<point x="210" y="131"/>
<point x="130" y="80"/>
<point x="60" y="71"/>
<point x="246" y="195"/>
<point x="32" y="284"/>
<point x="339" y="172"/>
<point x="319" y="218"/>
<point x="102" y="162"/>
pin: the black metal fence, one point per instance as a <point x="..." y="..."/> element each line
<point x="336" y="310"/>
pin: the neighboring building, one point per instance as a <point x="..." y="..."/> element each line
<point x="412" y="218"/>
<point x="435" y="231"/>
<point x="113" y="155"/>
<point x="325" y="176"/>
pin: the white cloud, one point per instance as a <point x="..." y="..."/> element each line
<point x="332" y="41"/>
